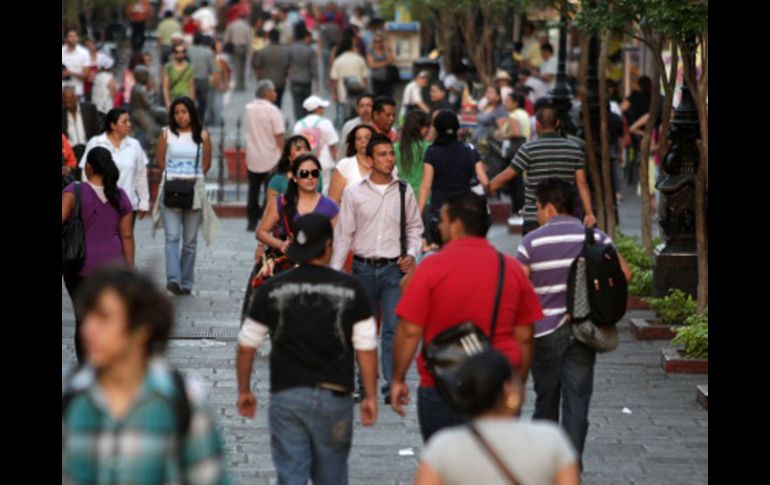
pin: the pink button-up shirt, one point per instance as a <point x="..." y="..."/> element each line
<point x="262" y="122"/>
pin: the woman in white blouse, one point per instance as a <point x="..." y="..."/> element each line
<point x="128" y="155"/>
<point x="356" y="166"/>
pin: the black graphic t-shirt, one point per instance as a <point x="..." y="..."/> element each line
<point x="310" y="311"/>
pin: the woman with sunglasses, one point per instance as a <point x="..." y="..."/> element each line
<point x="179" y="77"/>
<point x="301" y="198"/>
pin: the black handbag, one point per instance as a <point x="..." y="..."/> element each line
<point x="449" y="349"/>
<point x="73" y="239"/>
<point x="179" y="194"/>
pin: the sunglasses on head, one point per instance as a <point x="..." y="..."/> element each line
<point x="303" y="174"/>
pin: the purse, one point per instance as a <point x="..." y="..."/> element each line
<point x="179" y="193"/>
<point x="73" y="239"/>
<point x="447" y="351"/>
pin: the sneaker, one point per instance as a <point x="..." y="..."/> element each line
<point x="174" y="288"/>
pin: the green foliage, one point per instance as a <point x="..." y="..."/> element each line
<point x="641" y="282"/>
<point x="632" y="251"/>
<point x="694" y="336"/>
<point x="675" y="308"/>
<point x="71" y="9"/>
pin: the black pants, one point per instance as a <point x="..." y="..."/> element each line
<point x="382" y="88"/>
<point x="73" y="283"/>
<point x="253" y="208"/>
<point x="279" y="92"/>
<point x="201" y="97"/>
<point x="137" y="36"/>
<point x="516" y="191"/>
<point x="299" y="92"/>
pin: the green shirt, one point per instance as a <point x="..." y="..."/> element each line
<point x="167" y="28"/>
<point x="179" y="80"/>
<point x="414" y="177"/>
<point x="280" y="183"/>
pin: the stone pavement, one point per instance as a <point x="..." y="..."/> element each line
<point x="664" y="440"/>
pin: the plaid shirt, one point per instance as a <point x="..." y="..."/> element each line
<point x="142" y="447"/>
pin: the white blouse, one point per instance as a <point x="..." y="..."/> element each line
<point x="132" y="165"/>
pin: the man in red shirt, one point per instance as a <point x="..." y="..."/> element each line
<point x="458" y="284"/>
<point x="383" y="117"/>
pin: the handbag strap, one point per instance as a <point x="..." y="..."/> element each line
<point x="494" y="456"/>
<point x="402" y="228"/>
<point x="77" y="199"/>
<point x="498" y="294"/>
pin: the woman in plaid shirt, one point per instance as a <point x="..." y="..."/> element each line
<point x="127" y="416"/>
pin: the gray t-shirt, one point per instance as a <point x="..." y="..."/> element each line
<point x="534" y="451"/>
<point x="202" y="61"/>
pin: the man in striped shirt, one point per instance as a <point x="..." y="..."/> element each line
<point x="562" y="367"/>
<point x="550" y="155"/>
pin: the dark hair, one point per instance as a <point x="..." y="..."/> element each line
<point x="284" y="165"/>
<point x="351" y="139"/>
<point x="381" y="101"/>
<point x="292" y="191"/>
<point x="645" y="85"/>
<point x="364" y="95"/>
<point x="145" y="305"/>
<point x="471" y="210"/>
<point x="168" y="14"/>
<point x="195" y="122"/>
<point x="274" y="36"/>
<point x="377" y="139"/>
<point x="447" y="125"/>
<point x="547" y="116"/>
<point x="439" y="85"/>
<point x="346" y="44"/>
<point x="136" y="59"/>
<point x="547" y="47"/>
<point x="101" y="162"/>
<point x="558" y="192"/>
<point x="112" y="116"/>
<point x="517" y="98"/>
<point x="543" y="102"/>
<point x="411" y="135"/>
<point x="481" y="378"/>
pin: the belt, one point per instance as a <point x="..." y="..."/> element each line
<point x="374" y="261"/>
<point x="335" y="390"/>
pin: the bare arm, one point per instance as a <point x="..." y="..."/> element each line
<point x="625" y="105"/>
<point x="367" y="362"/>
<point x="425" y="186"/>
<point x="247" y="401"/>
<point x="625" y="268"/>
<point x="407" y="339"/>
<point x="501" y="179"/>
<point x="427" y="476"/>
<point x="279" y="141"/>
<point x="481" y="174"/>
<point x="336" y="186"/>
<point x="160" y="151"/>
<point x="333" y="151"/>
<point x="638" y="127"/>
<point x="569" y="475"/>
<point x="127" y="238"/>
<point x="525" y="338"/>
<point x="585" y="196"/>
<point x="266" y="225"/>
<point x="191" y="87"/>
<point x="206" y="151"/>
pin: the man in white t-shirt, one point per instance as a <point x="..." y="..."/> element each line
<point x="348" y="64"/>
<point x="320" y="133"/>
<point x="549" y="66"/>
<point x="75" y="62"/>
<point x="413" y="94"/>
<point x="539" y="88"/>
<point x="206" y="19"/>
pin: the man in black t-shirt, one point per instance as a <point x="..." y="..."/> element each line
<point x="316" y="317"/>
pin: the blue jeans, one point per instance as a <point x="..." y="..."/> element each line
<point x="563" y="369"/>
<point x="183" y="224"/>
<point x="434" y="414"/>
<point x="381" y="285"/>
<point x="311" y="430"/>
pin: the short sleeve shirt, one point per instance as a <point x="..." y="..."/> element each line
<point x="328" y="137"/>
<point x="261" y="124"/>
<point x="348" y="64"/>
<point x="454" y="167"/>
<point x="75" y="61"/>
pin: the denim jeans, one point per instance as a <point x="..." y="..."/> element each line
<point x="311" y="430"/>
<point x="563" y="369"/>
<point x="434" y="414"/>
<point x="381" y="285"/>
<point x="184" y="224"/>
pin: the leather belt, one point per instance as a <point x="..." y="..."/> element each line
<point x="374" y="261"/>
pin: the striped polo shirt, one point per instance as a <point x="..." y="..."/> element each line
<point x="549" y="251"/>
<point x="550" y="155"/>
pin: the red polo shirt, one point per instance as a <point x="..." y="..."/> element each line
<point x="392" y="134"/>
<point x="457" y="284"/>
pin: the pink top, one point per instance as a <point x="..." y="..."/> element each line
<point x="262" y="122"/>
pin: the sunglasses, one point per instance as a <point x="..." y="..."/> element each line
<point x="303" y="174"/>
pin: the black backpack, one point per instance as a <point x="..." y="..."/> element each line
<point x="604" y="296"/>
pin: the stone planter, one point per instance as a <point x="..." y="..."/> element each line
<point x="703" y="397"/>
<point x="638" y="303"/>
<point x="674" y="361"/>
<point x="649" y="330"/>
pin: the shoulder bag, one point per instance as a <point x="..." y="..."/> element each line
<point x="73" y="239"/>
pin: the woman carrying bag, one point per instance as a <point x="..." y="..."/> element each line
<point x="184" y="154"/>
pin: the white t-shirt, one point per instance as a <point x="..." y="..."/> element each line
<point x="206" y="20"/>
<point x="539" y="88"/>
<point x="100" y="94"/>
<point x="412" y="95"/>
<point x="349" y="169"/>
<point x="348" y="64"/>
<point x="550" y="67"/>
<point x="75" y="61"/>
<point x="132" y="166"/>
<point x="534" y="451"/>
<point x="328" y="136"/>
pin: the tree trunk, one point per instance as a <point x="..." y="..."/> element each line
<point x="669" y="85"/>
<point x="609" y="211"/>
<point x="588" y="135"/>
<point x="478" y="47"/>
<point x="446" y="28"/>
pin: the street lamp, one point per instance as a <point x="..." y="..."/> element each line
<point x="560" y="95"/>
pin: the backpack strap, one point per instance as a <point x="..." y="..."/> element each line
<point x="402" y="223"/>
<point x="498" y="293"/>
<point x="182" y="408"/>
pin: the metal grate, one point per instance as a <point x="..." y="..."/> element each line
<point x="225" y="334"/>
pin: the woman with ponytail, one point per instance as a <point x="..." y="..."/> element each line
<point x="301" y="198"/>
<point x="108" y="220"/>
